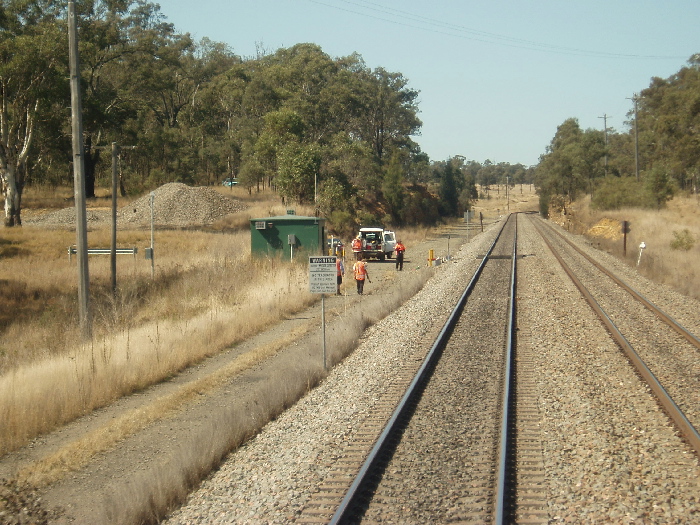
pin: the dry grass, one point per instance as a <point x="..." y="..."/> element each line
<point x="157" y="489"/>
<point x="207" y="295"/>
<point x="661" y="261"/>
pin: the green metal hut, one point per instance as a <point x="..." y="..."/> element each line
<point x="287" y="235"/>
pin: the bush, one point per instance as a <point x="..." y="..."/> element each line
<point x="544" y="206"/>
<point x="620" y="192"/>
<point x="682" y="240"/>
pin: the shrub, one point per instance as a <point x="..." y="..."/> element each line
<point x="620" y="192"/>
<point x="682" y="240"/>
<point x="544" y="206"/>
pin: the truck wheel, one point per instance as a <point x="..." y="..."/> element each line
<point x="388" y="256"/>
<point x="381" y="257"/>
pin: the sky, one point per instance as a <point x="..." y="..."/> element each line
<point x="495" y="78"/>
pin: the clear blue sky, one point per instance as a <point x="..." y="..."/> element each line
<point x="495" y="77"/>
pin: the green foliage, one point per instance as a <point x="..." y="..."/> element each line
<point x="447" y="192"/>
<point x="296" y="120"/>
<point x="367" y="218"/>
<point x="298" y="172"/>
<point x="659" y="186"/>
<point x="614" y="193"/>
<point x="544" y="205"/>
<point x="393" y="190"/>
<point x="682" y="240"/>
<point x="572" y="162"/>
<point x="342" y="223"/>
<point x="421" y="207"/>
<point x="661" y="145"/>
<point x="334" y="195"/>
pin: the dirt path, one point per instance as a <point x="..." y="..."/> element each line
<point x="153" y="467"/>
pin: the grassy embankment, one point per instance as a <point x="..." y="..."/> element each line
<point x="671" y="236"/>
<point x="207" y="295"/>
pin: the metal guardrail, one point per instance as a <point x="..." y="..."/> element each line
<point x="103" y="251"/>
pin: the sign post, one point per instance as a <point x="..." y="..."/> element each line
<point x="323" y="280"/>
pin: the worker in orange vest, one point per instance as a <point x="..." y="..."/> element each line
<point x="361" y="273"/>
<point x="340" y="270"/>
<point x="357" y="247"/>
<point x="400" y="248"/>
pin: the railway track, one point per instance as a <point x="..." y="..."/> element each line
<point x="587" y="441"/>
<point x="665" y="359"/>
<point x="402" y="455"/>
<point x="406" y="471"/>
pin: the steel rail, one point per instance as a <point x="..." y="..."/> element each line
<point x="691" y="338"/>
<point x="348" y="501"/>
<point x="504" y="453"/>
<point x="672" y="410"/>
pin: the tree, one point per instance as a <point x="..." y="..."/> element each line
<point x="448" y="191"/>
<point x="659" y="186"/>
<point x="298" y="171"/>
<point x="392" y="189"/>
<point x="390" y="114"/>
<point x="29" y="70"/>
<point x="572" y="162"/>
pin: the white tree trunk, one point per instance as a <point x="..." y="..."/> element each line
<point x="10" y="194"/>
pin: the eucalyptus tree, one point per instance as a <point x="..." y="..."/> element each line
<point x="30" y="72"/>
<point x="393" y="188"/>
<point x="304" y="74"/>
<point x="109" y="33"/>
<point x="669" y="118"/>
<point x="389" y="113"/>
<point x="298" y="171"/>
<point x="557" y="173"/>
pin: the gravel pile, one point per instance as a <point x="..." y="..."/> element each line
<point x="174" y="205"/>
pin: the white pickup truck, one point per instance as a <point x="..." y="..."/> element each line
<point x="377" y="243"/>
<point x="389" y="243"/>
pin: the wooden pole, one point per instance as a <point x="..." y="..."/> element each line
<point x="113" y="252"/>
<point x="79" y="176"/>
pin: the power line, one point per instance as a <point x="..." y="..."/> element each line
<point x="407" y="19"/>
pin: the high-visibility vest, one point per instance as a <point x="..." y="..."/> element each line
<point x="360" y="269"/>
<point x="339" y="266"/>
<point x="400" y="248"/>
<point x="356" y="245"/>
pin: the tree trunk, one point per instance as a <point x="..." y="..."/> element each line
<point x="11" y="193"/>
<point x="91" y="159"/>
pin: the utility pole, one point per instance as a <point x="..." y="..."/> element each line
<point x="116" y="150"/>
<point x="634" y="99"/>
<point x="605" y="124"/>
<point x="79" y="175"/>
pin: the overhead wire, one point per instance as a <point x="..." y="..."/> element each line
<point x="424" y="23"/>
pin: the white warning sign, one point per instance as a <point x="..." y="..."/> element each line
<point x="322" y="275"/>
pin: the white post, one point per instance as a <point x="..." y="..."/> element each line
<point x="641" y="249"/>
<point x="153" y="255"/>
